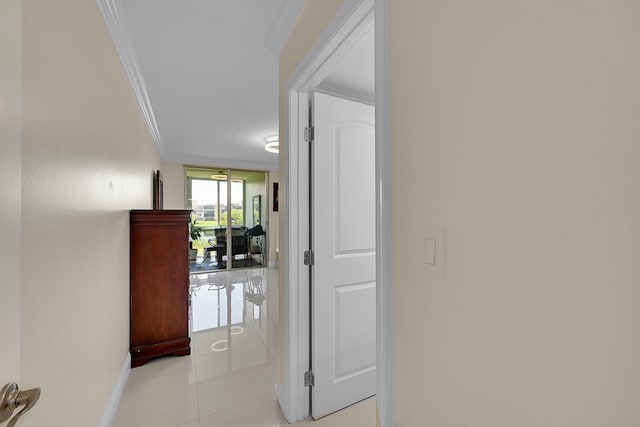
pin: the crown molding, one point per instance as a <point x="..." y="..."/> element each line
<point x="279" y="32"/>
<point x="122" y="43"/>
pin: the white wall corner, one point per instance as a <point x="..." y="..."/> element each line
<point x="296" y="329"/>
<point x="120" y="37"/>
<point x="116" y="394"/>
<point x="279" y="33"/>
<point x="283" y="401"/>
<point x="304" y="78"/>
<point x="384" y="239"/>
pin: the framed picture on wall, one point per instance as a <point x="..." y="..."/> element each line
<point x="257" y="208"/>
<point x="275" y="197"/>
<point x="158" y="190"/>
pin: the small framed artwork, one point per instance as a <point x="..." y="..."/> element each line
<point x="257" y="208"/>
<point x="275" y="197"/>
<point x="158" y="190"/>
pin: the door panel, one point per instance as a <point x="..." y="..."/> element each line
<point x="355" y="340"/>
<point x="343" y="281"/>
<point x="354" y="142"/>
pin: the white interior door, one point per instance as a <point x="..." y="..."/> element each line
<point x="343" y="282"/>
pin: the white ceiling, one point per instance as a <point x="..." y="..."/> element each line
<point x="353" y="76"/>
<point x="206" y="74"/>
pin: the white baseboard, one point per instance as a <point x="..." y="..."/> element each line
<point x="114" y="401"/>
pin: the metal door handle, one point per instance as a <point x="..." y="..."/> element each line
<point x="11" y="398"/>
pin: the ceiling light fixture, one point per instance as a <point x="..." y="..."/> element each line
<point x="272" y="144"/>
<point x="219" y="177"/>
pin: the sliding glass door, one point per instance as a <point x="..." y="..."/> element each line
<point x="225" y="203"/>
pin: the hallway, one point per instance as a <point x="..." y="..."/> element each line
<point x="229" y="378"/>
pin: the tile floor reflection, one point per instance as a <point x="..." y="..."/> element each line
<point x="228" y="380"/>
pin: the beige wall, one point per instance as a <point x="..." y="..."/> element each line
<point x="514" y="124"/>
<point x="255" y="185"/>
<point x="174" y="185"/>
<point x="313" y="18"/>
<point x="10" y="184"/>
<point x="87" y="159"/>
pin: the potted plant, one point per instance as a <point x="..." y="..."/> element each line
<point x="195" y="232"/>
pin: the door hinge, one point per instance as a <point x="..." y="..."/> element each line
<point x="308" y="134"/>
<point x="308" y="257"/>
<point x="309" y="379"/>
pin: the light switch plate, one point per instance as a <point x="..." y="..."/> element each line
<point x="431" y="250"/>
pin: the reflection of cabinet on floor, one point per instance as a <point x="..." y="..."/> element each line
<point x="159" y="284"/>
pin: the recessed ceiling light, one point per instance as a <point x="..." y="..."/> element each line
<point x="272" y="144"/>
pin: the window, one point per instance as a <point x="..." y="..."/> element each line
<point x="207" y="197"/>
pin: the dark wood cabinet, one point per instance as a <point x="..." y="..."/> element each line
<point x="159" y="284"/>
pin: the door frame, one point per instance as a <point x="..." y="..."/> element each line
<point x="354" y="17"/>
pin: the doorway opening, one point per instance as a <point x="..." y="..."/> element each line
<point x="351" y="24"/>
<point x="227" y="202"/>
<point x="342" y="276"/>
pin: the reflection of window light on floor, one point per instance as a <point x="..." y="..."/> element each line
<point x="209" y="306"/>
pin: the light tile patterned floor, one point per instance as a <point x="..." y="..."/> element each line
<point x="228" y="380"/>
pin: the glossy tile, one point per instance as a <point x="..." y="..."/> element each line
<point x="362" y="414"/>
<point x="266" y="328"/>
<point x="229" y="378"/>
<point x="215" y="301"/>
<point x="261" y="412"/>
<point x="166" y="401"/>
<point x="211" y="366"/>
<point x="162" y="366"/>
<point x="237" y="380"/>
<point x="240" y="338"/>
